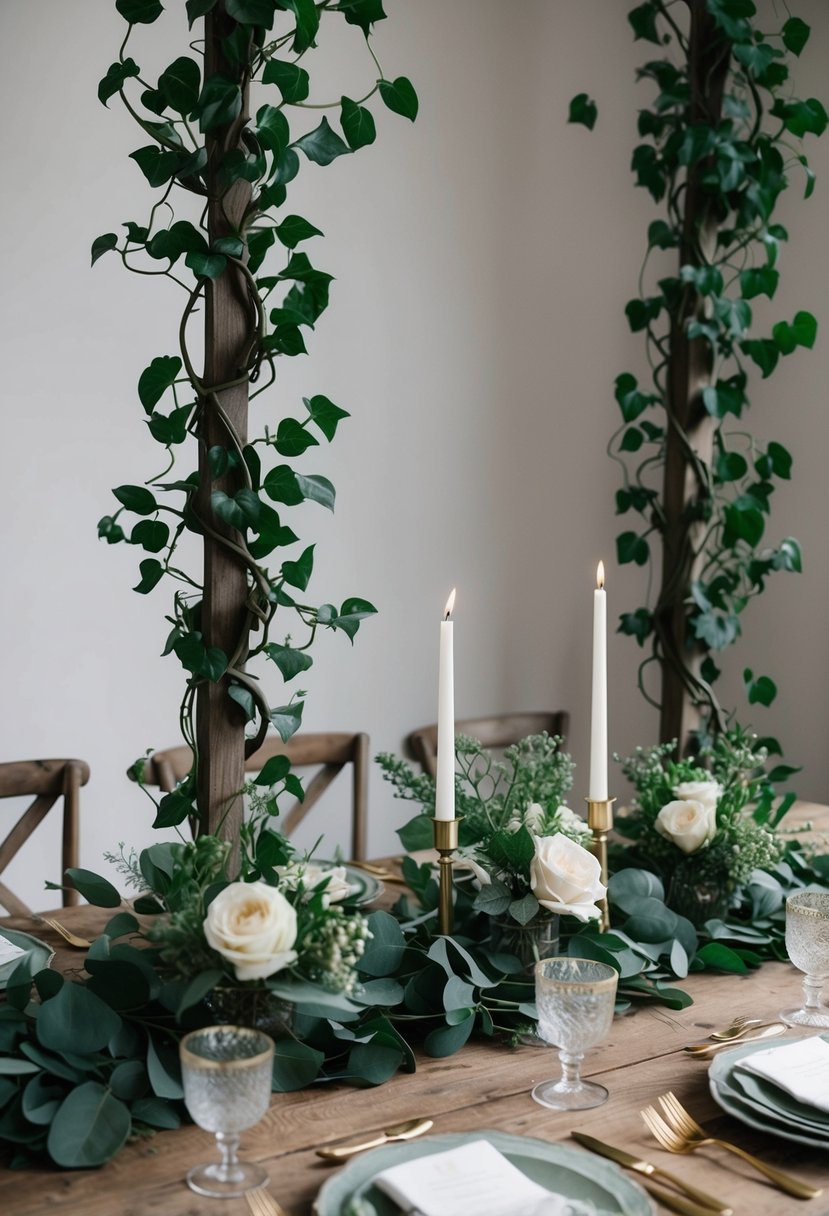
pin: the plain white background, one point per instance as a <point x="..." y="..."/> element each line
<point x="483" y="258"/>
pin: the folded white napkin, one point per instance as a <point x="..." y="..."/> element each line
<point x="800" y="1069"/>
<point x="8" y="952"/>
<point x="471" y="1180"/>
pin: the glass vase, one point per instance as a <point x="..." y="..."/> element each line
<point x="528" y="943"/>
<point x="698" y="897"/>
<point x="256" y="1008"/>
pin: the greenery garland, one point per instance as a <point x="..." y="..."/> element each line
<point x="719" y="142"/>
<point x="200" y="139"/>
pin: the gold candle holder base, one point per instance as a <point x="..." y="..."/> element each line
<point x="600" y="822"/>
<point x="446" y="841"/>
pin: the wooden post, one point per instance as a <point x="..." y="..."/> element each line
<point x="220" y="721"/>
<point x="689" y="439"/>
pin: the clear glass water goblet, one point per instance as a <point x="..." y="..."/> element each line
<point x="574" y="998"/>
<point x="807" y="944"/>
<point x="227" y="1074"/>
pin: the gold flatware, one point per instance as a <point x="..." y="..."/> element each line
<point x="682" y="1134"/>
<point x="736" y="1030"/>
<point x="626" y="1159"/>
<point x="262" y="1203"/>
<point x="764" y="1032"/>
<point x="402" y="1131"/>
<point x="72" y="939"/>
<point x="673" y="1201"/>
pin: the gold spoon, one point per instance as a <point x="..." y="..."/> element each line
<point x="402" y="1131"/>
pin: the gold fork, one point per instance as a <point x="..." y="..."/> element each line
<point x="736" y="1030"/>
<point x="682" y="1134"/>
<point x="262" y="1203"/>
<point x="72" y="939"/>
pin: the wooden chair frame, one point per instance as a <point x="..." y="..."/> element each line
<point x="332" y="751"/>
<point x="498" y="731"/>
<point x="48" y="780"/>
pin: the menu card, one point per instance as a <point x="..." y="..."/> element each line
<point x="472" y="1180"/>
<point x="800" y="1069"/>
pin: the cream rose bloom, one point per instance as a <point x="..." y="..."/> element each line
<point x="566" y="878"/>
<point x="687" y="823"/>
<point x="706" y="792"/>
<point x="312" y="875"/>
<point x="254" y="927"/>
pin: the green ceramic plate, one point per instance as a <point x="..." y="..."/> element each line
<point x="43" y="954"/>
<point x="761" y="1105"/>
<point x="562" y="1170"/>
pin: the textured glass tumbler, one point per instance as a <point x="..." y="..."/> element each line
<point x="807" y="943"/>
<point x="575" y="999"/>
<point x="227" y="1073"/>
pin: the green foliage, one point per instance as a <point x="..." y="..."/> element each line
<point x="711" y="265"/>
<point x="190" y="150"/>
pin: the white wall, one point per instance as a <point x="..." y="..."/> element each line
<point x="483" y="257"/>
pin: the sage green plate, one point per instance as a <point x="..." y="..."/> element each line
<point x="763" y="1106"/>
<point x="43" y="954"/>
<point x="562" y="1170"/>
<point x="365" y="888"/>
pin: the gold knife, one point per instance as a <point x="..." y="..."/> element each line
<point x="621" y="1157"/>
<point x="403" y="1131"/>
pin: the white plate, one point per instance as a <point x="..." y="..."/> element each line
<point x="562" y="1170"/>
<point x="43" y="954"/>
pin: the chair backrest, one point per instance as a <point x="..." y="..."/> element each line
<point x="497" y="732"/>
<point x="48" y="780"/>
<point x="329" y="752"/>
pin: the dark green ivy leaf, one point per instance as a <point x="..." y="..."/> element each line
<point x="139" y="12"/>
<point x="206" y="265"/>
<point x="252" y="12"/>
<point x="400" y="96"/>
<point x="292" y="81"/>
<point x="583" y="110"/>
<point x="289" y="660"/>
<point x="325" y="414"/>
<point x="761" y="691"/>
<point x="638" y="624"/>
<point x="103" y="244"/>
<point x="294" y="229"/>
<point x="137" y="499"/>
<point x="357" y="123"/>
<point x="115" y="77"/>
<point x="179" y="85"/>
<point x="307" y="23"/>
<point x="322" y="145"/>
<point x="632" y="548"/>
<point x="795" y="35"/>
<point x="220" y="102"/>
<point x="362" y="13"/>
<point x="151" y="574"/>
<point x="151" y="534"/>
<point x="292" y="438"/>
<point x="643" y="22"/>
<point x="198" y="8"/>
<point x="298" y="573"/>
<point x="156" y="379"/>
<point x="802" y="332"/>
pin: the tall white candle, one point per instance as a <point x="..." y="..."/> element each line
<point x="597" y="786"/>
<point x="445" y="781"/>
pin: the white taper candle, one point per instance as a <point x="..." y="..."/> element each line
<point x="597" y="786"/>
<point x="445" y="781"/>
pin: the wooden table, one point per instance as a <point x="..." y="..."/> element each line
<point x="483" y="1086"/>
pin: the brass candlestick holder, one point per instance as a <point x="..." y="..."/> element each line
<point x="446" y="841"/>
<point x="600" y="822"/>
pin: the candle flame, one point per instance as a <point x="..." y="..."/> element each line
<point x="450" y="604"/>
<point x="600" y="576"/>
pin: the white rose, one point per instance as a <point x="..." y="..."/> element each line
<point x="566" y="878"/>
<point x="534" y="818"/>
<point x="464" y="862"/>
<point x="708" y="793"/>
<point x="254" y="927"/>
<point x="567" y="820"/>
<point x="687" y="824"/>
<point x="312" y="875"/>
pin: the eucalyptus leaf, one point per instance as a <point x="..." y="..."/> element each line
<point x="90" y="1126"/>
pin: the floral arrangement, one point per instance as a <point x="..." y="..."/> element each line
<point x="523" y="844"/>
<point x="707" y="820"/>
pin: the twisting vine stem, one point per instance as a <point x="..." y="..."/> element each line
<point x="235" y="170"/>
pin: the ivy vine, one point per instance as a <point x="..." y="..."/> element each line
<point x="201" y="148"/>
<point x="718" y="145"/>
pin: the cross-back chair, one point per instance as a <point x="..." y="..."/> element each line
<point x="329" y="752"/>
<point x="498" y="731"/>
<point x="47" y="780"/>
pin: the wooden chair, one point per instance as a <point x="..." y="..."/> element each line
<point x="496" y="732"/>
<point x="48" y="780"/>
<point x="330" y="751"/>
